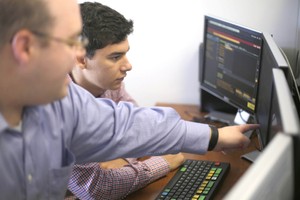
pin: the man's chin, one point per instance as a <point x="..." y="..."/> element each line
<point x="116" y="86"/>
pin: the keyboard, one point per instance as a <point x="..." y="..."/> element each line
<point x="195" y="179"/>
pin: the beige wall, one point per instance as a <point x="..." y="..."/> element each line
<point x="164" y="45"/>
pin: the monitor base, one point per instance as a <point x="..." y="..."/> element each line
<point x="222" y="117"/>
<point x="251" y="156"/>
<point x="241" y="117"/>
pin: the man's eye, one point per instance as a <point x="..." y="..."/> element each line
<point x="116" y="57"/>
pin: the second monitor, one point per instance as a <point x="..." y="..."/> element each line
<point x="231" y="63"/>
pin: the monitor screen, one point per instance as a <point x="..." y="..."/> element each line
<point x="231" y="63"/>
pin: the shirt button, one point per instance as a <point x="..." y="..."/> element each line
<point x="29" y="178"/>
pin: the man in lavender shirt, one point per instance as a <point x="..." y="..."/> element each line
<point x="48" y="123"/>
<point x="101" y="72"/>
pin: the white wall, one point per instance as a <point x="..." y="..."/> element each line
<point x="167" y="34"/>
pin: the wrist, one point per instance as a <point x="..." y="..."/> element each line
<point x="214" y="136"/>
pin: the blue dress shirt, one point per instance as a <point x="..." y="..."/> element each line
<point x="36" y="163"/>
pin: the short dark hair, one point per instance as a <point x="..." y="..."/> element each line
<point x="23" y="14"/>
<point x="103" y="26"/>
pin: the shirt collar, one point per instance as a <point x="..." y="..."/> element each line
<point x="31" y="111"/>
<point x="3" y="124"/>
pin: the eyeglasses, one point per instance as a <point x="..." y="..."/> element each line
<point x="80" y="41"/>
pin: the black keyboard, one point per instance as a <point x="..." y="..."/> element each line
<point x="195" y="179"/>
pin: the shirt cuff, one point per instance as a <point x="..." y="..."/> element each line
<point x="158" y="166"/>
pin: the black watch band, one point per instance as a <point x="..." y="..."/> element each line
<point x="213" y="138"/>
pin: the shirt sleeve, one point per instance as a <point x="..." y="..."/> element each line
<point x="135" y="131"/>
<point x="90" y="181"/>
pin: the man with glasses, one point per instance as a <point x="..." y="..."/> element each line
<point x="102" y="72"/>
<point x="48" y="123"/>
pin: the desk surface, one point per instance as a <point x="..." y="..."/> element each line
<point x="237" y="168"/>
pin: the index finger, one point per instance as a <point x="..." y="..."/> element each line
<point x="248" y="127"/>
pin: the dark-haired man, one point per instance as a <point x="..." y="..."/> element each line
<point x="102" y="72"/>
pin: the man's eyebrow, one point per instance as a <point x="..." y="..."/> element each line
<point x="120" y="52"/>
<point x="116" y="53"/>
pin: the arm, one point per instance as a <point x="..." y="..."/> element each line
<point x="136" y="131"/>
<point x="173" y="160"/>
<point x="91" y="181"/>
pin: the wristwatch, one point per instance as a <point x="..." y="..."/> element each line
<point x="214" y="136"/>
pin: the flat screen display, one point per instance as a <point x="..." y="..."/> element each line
<point x="231" y="63"/>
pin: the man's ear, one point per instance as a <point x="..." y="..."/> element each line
<point x="21" y="45"/>
<point x="81" y="61"/>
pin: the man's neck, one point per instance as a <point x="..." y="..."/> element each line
<point x="93" y="89"/>
<point x="12" y="116"/>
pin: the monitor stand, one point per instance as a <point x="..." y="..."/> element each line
<point x="217" y="116"/>
<point x="251" y="156"/>
<point x="241" y="117"/>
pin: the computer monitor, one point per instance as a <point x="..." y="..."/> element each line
<point x="285" y="118"/>
<point x="275" y="173"/>
<point x="271" y="58"/>
<point x="231" y="63"/>
<point x="283" y="115"/>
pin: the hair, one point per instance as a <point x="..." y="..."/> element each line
<point x="103" y="26"/>
<point x="23" y="14"/>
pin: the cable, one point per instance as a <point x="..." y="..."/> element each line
<point x="241" y="116"/>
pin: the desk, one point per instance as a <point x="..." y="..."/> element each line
<point x="237" y="168"/>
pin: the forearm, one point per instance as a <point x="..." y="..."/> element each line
<point x="156" y="165"/>
<point x="91" y="182"/>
